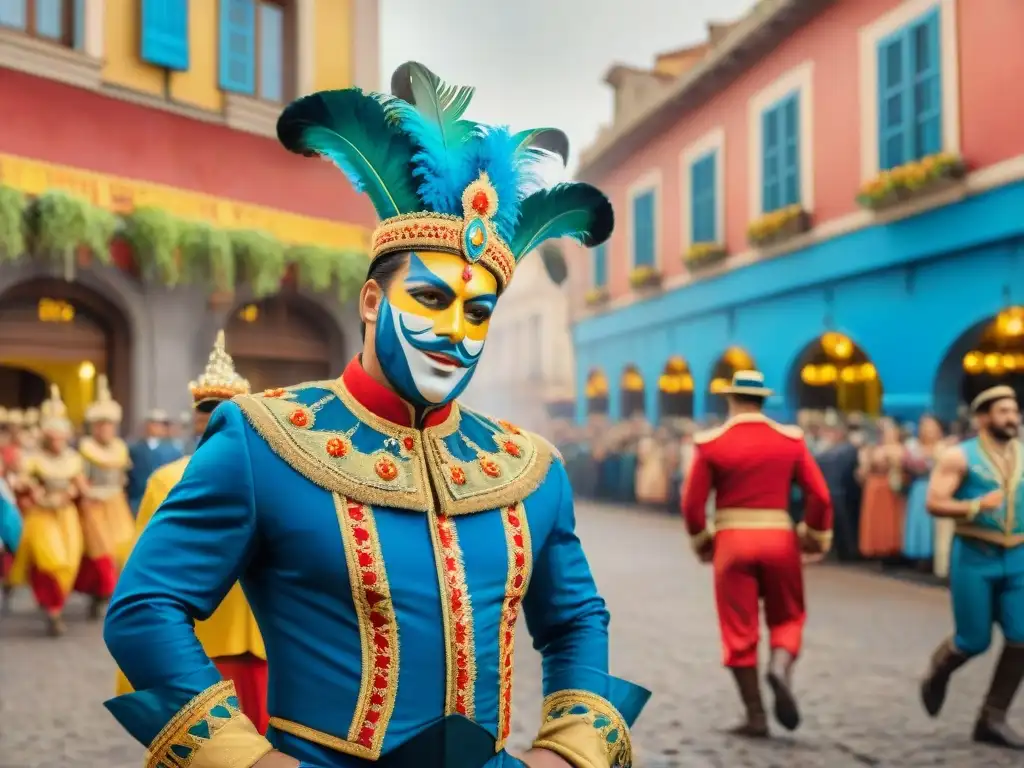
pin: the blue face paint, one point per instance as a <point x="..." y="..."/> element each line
<point x="391" y="356"/>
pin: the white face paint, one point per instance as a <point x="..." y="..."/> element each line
<point x="435" y="379"/>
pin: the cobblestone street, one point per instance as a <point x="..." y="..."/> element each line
<point x="867" y="642"/>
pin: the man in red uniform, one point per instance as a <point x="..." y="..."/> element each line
<point x="751" y="463"/>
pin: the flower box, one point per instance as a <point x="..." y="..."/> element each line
<point x="122" y="256"/>
<point x="701" y="255"/>
<point x="910" y="181"/>
<point x="596" y="297"/>
<point x="778" y="226"/>
<point x="645" y="277"/>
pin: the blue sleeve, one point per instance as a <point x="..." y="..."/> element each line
<point x="566" y="615"/>
<point x="10" y="521"/>
<point x="187" y="558"/>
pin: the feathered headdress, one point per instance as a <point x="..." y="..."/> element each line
<point x="441" y="182"/>
<point x="220" y="380"/>
<point x="104" y="407"/>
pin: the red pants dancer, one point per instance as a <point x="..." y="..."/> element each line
<point x="97" y="573"/>
<point x="750" y="462"/>
<point x="249" y="674"/>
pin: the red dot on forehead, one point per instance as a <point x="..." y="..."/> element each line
<point x="467" y="274"/>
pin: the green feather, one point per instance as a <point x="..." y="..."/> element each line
<point x="438" y="103"/>
<point x="352" y="130"/>
<point x="541" y="143"/>
<point x="574" y="210"/>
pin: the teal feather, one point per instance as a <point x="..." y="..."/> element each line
<point x="352" y="130"/>
<point x="574" y="210"/>
<point x="542" y="143"/>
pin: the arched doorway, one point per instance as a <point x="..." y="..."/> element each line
<point x="280" y="341"/>
<point x="631" y="393"/>
<point x="675" y="390"/>
<point x="732" y="360"/>
<point x="834" y="373"/>
<point x="596" y="392"/>
<point x="988" y="354"/>
<point x="62" y="333"/>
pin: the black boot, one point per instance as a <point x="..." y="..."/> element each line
<point x="97" y="608"/>
<point x="780" y="678"/>
<point x="992" y="727"/>
<point x="945" y="661"/>
<point x="55" y="626"/>
<point x="756" y="724"/>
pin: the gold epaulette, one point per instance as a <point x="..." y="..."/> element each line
<point x="788" y="430"/>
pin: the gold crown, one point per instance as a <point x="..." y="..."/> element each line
<point x="104" y="407"/>
<point x="471" y="236"/>
<point x="53" y="412"/>
<point x="220" y="380"/>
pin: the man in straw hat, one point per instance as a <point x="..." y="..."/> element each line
<point x="980" y="484"/>
<point x="387" y="539"/>
<point x="230" y="637"/>
<point x="751" y="463"/>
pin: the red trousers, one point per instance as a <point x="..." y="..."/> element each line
<point x="6" y="561"/>
<point x="249" y="674"/>
<point x="97" y="576"/>
<point x="755" y="565"/>
<point x="47" y="592"/>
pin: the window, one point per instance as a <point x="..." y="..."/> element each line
<point x="59" y="21"/>
<point x="703" y="212"/>
<point x="910" y="93"/>
<point x="780" y="140"/>
<point x="643" y="229"/>
<point x="252" y="48"/>
<point x="165" y="33"/>
<point x="601" y="266"/>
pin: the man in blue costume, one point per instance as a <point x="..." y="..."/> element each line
<point x="386" y="538"/>
<point x="979" y="483"/>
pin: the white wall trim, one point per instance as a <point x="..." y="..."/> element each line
<point x="800" y="78"/>
<point x="94" y="26"/>
<point x="712" y="141"/>
<point x="875" y="32"/>
<point x="652" y="180"/>
<point x="305" y="46"/>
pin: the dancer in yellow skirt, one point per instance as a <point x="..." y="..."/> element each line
<point x="107" y="522"/>
<point x="51" y="543"/>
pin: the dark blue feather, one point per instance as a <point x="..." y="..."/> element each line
<point x="352" y="130"/>
<point x="574" y="210"/>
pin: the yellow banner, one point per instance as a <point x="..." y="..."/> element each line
<point x="124" y="195"/>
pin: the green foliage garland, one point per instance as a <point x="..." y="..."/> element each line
<point x="154" y="236"/>
<point x="60" y="223"/>
<point x="261" y="258"/>
<point x="321" y="268"/>
<point x="12" y="223"/>
<point x="207" y="256"/>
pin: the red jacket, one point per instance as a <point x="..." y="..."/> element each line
<point x="751" y="462"/>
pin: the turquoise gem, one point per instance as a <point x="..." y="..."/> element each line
<point x="602" y="722"/>
<point x="579" y="709"/>
<point x="220" y="711"/>
<point x="200" y="730"/>
<point x="556" y="713"/>
<point x="612" y="737"/>
<point x="232" y="701"/>
<point x="475" y="240"/>
<point x="180" y="751"/>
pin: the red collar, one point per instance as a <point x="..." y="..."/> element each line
<point x="384" y="402"/>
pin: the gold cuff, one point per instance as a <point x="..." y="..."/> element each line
<point x="585" y="730"/>
<point x="822" y="539"/>
<point x="700" y="540"/>
<point x="973" y="510"/>
<point x="209" y="732"/>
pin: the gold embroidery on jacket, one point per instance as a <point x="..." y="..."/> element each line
<point x="520" y="563"/>
<point x="378" y="627"/>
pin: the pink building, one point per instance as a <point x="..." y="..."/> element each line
<point x="829" y="191"/>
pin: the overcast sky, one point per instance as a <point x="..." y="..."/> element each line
<point x="541" y="62"/>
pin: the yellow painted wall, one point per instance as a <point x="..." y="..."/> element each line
<point x="198" y="86"/>
<point x="122" y="65"/>
<point x="75" y="392"/>
<point x="333" y="61"/>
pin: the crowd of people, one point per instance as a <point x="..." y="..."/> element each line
<point x="876" y="470"/>
<point x="68" y="498"/>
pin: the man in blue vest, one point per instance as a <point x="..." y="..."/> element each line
<point x="980" y="484"/>
<point x="148" y="454"/>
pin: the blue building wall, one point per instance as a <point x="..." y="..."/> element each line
<point x="912" y="294"/>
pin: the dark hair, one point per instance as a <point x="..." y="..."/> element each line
<point x="383" y="271"/>
<point x="749" y="400"/>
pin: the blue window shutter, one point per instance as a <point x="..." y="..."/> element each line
<point x="50" y="19"/>
<point x="703" y="225"/>
<point x="79" y="21"/>
<point x="601" y="266"/>
<point x="926" y="58"/>
<point x="271" y="52"/>
<point x="643" y="230"/>
<point x="893" y="137"/>
<point x="771" y="141"/>
<point x="12" y="14"/>
<point x="789" y="112"/>
<point x="165" y="33"/>
<point x="238" y="46"/>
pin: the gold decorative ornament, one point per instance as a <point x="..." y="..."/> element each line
<point x="220" y="380"/>
<point x="104" y="407"/>
<point x="54" y="414"/>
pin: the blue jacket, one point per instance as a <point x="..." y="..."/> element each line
<point x="145" y="461"/>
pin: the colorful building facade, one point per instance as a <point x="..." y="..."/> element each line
<point x="171" y="106"/>
<point x="832" y="194"/>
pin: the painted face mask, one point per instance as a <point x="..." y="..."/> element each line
<point x="432" y="325"/>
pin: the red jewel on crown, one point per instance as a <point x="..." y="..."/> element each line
<point x="481" y="202"/>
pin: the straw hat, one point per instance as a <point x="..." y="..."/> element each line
<point x="220" y="381"/>
<point x="992" y="394"/>
<point x="747" y="383"/>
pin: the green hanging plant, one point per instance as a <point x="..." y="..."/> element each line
<point x="261" y="258"/>
<point x="59" y="224"/>
<point x="207" y="256"/>
<point x="321" y="268"/>
<point x="155" y="236"/>
<point x="350" y="268"/>
<point x="100" y="227"/>
<point x="13" y="205"/>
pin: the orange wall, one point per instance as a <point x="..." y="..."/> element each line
<point x="991" y="61"/>
<point x="71" y="126"/>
